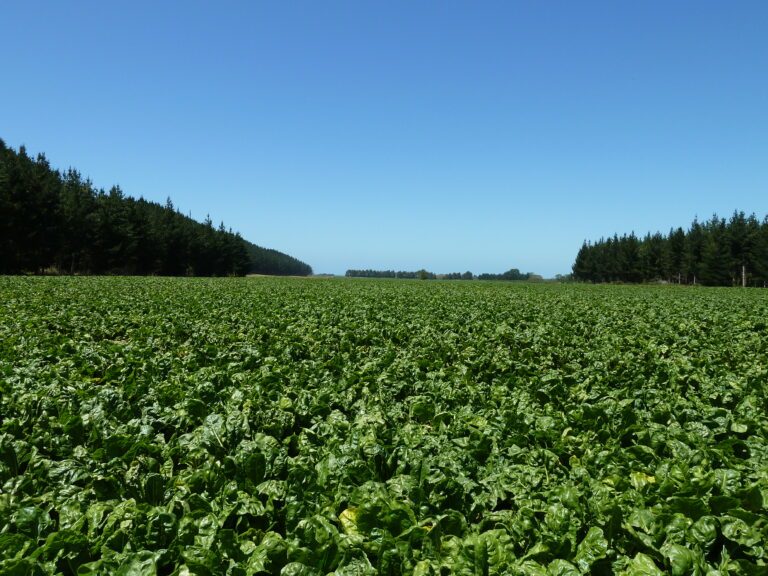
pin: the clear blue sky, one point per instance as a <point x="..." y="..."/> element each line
<point x="403" y="134"/>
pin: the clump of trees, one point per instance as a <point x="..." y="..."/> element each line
<point x="368" y="273"/>
<point x="513" y="274"/>
<point x="57" y="222"/>
<point x="717" y="252"/>
<point x="459" y="276"/>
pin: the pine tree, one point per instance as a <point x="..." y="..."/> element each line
<point x="676" y="254"/>
<point x="716" y="260"/>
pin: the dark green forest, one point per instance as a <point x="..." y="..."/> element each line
<point x="59" y="223"/>
<point x="717" y="252"/>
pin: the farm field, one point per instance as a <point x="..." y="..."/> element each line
<point x="307" y="427"/>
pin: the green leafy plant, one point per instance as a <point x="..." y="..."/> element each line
<point x="266" y="426"/>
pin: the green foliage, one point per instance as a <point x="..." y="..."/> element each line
<point x="289" y="426"/>
<point x="53" y="222"/>
<point x="716" y="253"/>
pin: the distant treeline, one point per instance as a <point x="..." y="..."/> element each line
<point x="513" y="274"/>
<point x="420" y="274"/>
<point x="59" y="223"/>
<point x="717" y="252"/>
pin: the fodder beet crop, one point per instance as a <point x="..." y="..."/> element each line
<point x="302" y="427"/>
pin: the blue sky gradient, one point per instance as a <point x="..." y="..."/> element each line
<point x="446" y="135"/>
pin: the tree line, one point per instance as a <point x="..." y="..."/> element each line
<point x="513" y="274"/>
<point x="54" y="222"/>
<point x="368" y="273"/>
<point x="717" y="252"/>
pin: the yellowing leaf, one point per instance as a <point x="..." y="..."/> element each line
<point x="348" y="520"/>
<point x="640" y="480"/>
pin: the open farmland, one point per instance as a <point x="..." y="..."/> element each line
<point x="253" y="426"/>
